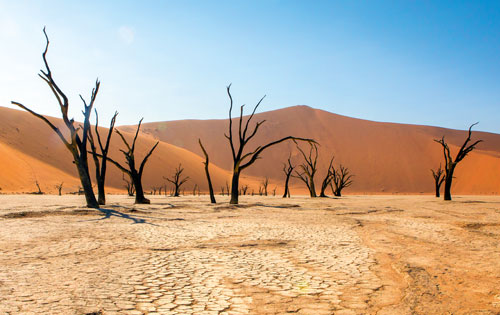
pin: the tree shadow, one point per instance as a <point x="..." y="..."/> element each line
<point x="108" y="213"/>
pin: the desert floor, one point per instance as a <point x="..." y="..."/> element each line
<point x="354" y="255"/>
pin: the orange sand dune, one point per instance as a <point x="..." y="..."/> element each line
<point x="30" y="150"/>
<point x="385" y="157"/>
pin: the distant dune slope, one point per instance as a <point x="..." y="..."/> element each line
<point x="385" y="157"/>
<point x="30" y="150"/>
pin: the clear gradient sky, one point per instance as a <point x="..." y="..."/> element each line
<point x="419" y="62"/>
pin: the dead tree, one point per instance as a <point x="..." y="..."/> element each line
<point x="438" y="179"/>
<point x="328" y="178"/>
<point x="177" y="180"/>
<point x="243" y="160"/>
<point x="244" y="190"/>
<point x="309" y="168"/>
<point x="101" y="166"/>
<point x="451" y="163"/>
<point x="129" y="185"/>
<point x="341" y="179"/>
<point x="265" y="183"/>
<point x="39" y="192"/>
<point x="77" y="142"/>
<point x="134" y="173"/>
<point x="210" y="187"/>
<point x="59" y="188"/>
<point x="288" y="169"/>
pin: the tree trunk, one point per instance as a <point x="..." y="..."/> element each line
<point x="234" y="187"/>
<point x="323" y="188"/>
<point x="286" y="193"/>
<point x="139" y="192"/>
<point x="101" y="199"/>
<point x="83" y="172"/>
<point x="447" y="185"/>
<point x="312" y="189"/>
<point x="437" y="190"/>
<point x="101" y="182"/>
<point x="210" y="187"/>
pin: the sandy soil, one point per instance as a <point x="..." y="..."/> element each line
<point x="355" y="255"/>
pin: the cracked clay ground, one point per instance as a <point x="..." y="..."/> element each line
<point x="355" y="255"/>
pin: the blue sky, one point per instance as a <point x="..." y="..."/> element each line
<point x="420" y="62"/>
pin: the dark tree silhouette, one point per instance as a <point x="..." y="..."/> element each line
<point x="451" y="163"/>
<point x="101" y="166"/>
<point x="309" y="168"/>
<point x="243" y="160"/>
<point x="59" y="188"/>
<point x="77" y="142"/>
<point x="210" y="187"/>
<point x="134" y="173"/>
<point x="438" y="178"/>
<point x="341" y="179"/>
<point x="39" y="192"/>
<point x="177" y="180"/>
<point x="288" y="169"/>
<point x="328" y="178"/>
<point x="264" y="184"/>
<point x="244" y="190"/>
<point x="129" y="184"/>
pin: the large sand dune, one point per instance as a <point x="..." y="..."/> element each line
<point x="385" y="157"/>
<point x="30" y="150"/>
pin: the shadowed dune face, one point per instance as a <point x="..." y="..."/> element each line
<point x="385" y="157"/>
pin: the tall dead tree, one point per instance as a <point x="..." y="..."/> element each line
<point x="328" y="178"/>
<point x="134" y="173"/>
<point x="438" y="179"/>
<point x="177" y="180"/>
<point x="451" y="164"/>
<point x="288" y="169"/>
<point x="101" y="166"/>
<point x="210" y="187"/>
<point x="341" y="179"/>
<point x="242" y="160"/>
<point x="309" y="168"/>
<point x="77" y="142"/>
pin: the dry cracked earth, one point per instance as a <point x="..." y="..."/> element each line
<point x="353" y="255"/>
